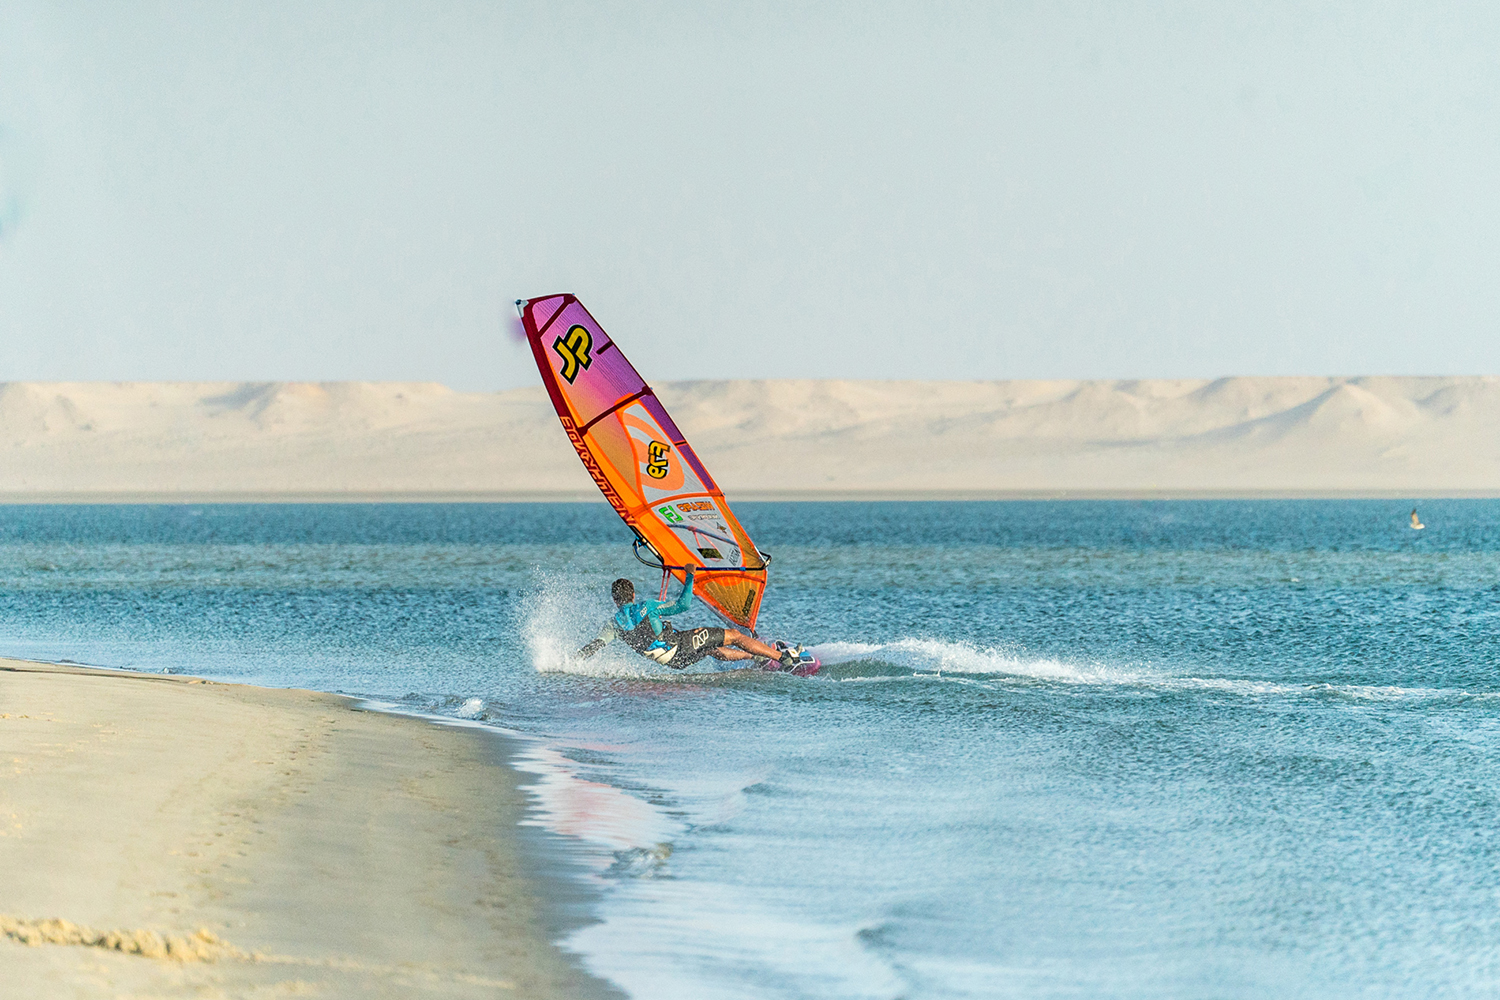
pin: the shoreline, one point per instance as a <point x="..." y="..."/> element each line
<point x="176" y="836"/>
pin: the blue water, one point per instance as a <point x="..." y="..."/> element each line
<point x="1061" y="749"/>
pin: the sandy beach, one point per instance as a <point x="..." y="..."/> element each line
<point x="171" y="837"/>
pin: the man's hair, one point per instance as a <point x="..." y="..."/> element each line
<point x="622" y="590"/>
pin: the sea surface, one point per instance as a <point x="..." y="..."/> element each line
<point x="1060" y="749"/>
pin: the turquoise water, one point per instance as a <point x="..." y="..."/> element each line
<point x="1154" y="749"/>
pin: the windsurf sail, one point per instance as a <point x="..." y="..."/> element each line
<point x="640" y="460"/>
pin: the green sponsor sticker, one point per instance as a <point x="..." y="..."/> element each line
<point x="668" y="514"/>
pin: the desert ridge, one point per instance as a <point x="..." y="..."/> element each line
<point x="1251" y="435"/>
<point x="176" y="438"/>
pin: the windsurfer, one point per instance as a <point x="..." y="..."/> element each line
<point x="640" y="624"/>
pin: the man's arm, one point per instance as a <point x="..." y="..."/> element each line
<point x="605" y="637"/>
<point x="684" y="599"/>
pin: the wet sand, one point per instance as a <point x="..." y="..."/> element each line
<point x="169" y="837"/>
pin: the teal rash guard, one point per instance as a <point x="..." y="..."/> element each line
<point x="632" y="621"/>
<point x="630" y="616"/>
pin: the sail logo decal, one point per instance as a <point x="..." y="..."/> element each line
<point x="657" y="465"/>
<point x="669" y="515"/>
<point x="574" y="347"/>
<point x="589" y="463"/>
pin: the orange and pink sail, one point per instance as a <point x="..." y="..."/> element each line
<point x="641" y="462"/>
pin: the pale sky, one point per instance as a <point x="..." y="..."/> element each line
<point x="868" y="190"/>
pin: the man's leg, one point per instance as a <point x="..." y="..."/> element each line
<point x="753" y="647"/>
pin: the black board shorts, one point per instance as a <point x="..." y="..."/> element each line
<point x="693" y="645"/>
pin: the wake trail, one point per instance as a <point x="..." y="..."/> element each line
<point x="563" y="612"/>
<point x="934" y="659"/>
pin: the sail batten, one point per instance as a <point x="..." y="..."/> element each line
<point x="640" y="460"/>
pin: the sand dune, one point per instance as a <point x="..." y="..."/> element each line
<point x="1229" y="435"/>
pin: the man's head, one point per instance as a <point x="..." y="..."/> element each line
<point x="623" y="591"/>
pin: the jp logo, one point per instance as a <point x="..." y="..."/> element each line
<point x="668" y="514"/>
<point x="574" y="347"/>
<point x="657" y="466"/>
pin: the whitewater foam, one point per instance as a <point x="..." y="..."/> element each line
<point x="560" y="614"/>
<point x="937" y="656"/>
<point x="930" y="659"/>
